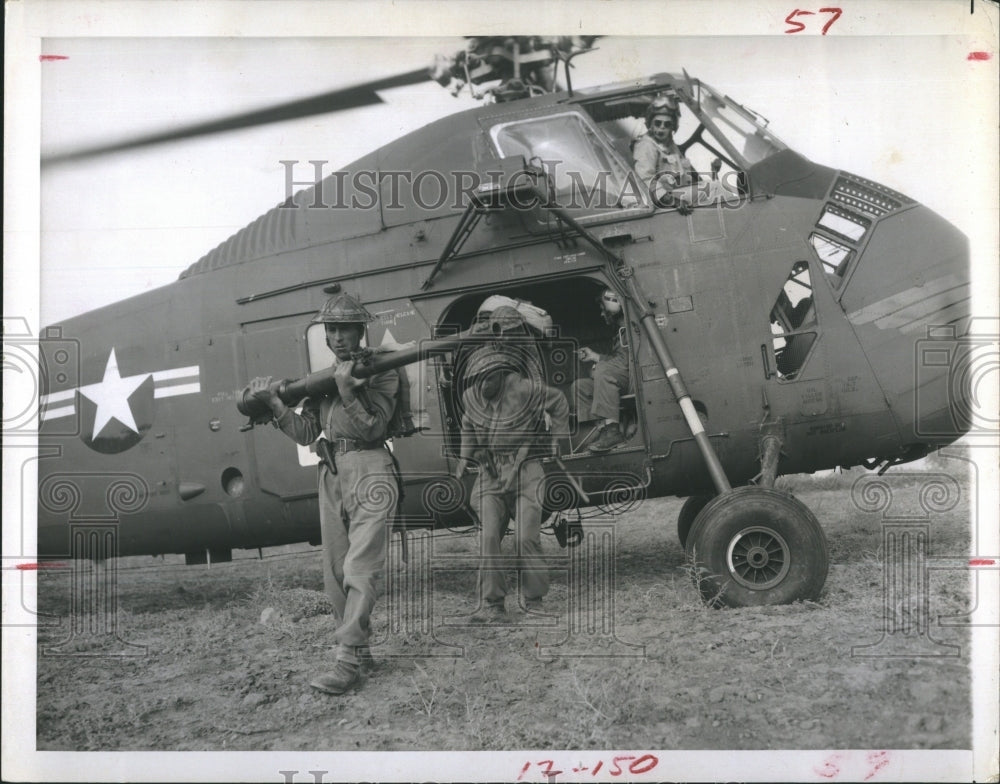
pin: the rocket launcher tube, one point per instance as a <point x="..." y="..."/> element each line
<point x="367" y="364"/>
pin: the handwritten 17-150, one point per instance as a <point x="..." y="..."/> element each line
<point x="634" y="765"/>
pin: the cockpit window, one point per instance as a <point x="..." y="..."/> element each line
<point x="583" y="170"/>
<point x="738" y="127"/>
<point x="718" y="139"/>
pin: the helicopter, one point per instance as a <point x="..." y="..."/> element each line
<point x="810" y="286"/>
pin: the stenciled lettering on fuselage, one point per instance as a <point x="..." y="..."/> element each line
<point x="117" y="411"/>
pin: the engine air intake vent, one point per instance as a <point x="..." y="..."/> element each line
<point x="867" y="197"/>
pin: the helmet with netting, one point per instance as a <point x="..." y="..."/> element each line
<point x="343" y="309"/>
<point x="485" y="359"/>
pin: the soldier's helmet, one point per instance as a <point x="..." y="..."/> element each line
<point x="491" y="303"/>
<point x="485" y="359"/>
<point x="666" y="104"/>
<point x="506" y="320"/>
<point x="342" y="309"/>
<point x="610" y="303"/>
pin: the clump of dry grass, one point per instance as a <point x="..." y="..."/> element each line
<point x="699" y="574"/>
<point x="293" y="604"/>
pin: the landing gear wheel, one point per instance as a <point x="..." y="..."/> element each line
<point x="685" y="519"/>
<point x="755" y="546"/>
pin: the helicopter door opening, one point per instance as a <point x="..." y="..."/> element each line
<point x="793" y="323"/>
<point x="576" y="322"/>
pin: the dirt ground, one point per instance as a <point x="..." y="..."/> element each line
<point x="214" y="658"/>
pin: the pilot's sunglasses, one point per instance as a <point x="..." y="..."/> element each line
<point x="661" y="123"/>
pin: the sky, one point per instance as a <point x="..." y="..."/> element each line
<point x="905" y="111"/>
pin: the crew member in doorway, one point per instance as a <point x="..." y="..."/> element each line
<point x="599" y="398"/>
<point x="505" y="411"/>
<point x="354" y="419"/>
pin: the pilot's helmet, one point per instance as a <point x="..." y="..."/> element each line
<point x="663" y="104"/>
<point x="343" y="309"/>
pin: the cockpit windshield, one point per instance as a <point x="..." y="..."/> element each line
<point x="601" y="160"/>
<point x="583" y="170"/>
<point x="738" y="128"/>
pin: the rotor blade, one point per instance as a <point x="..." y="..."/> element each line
<point x="333" y="101"/>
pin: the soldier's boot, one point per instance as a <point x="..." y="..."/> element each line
<point x="611" y="436"/>
<point x="490" y="612"/>
<point x="341" y="679"/>
<point x="365" y="658"/>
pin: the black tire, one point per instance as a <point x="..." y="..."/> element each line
<point x="756" y="546"/>
<point x="685" y="518"/>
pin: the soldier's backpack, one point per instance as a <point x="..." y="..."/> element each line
<point x="401" y="422"/>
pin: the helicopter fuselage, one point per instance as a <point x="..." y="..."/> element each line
<point x="801" y="305"/>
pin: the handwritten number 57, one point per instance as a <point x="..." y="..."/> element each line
<point x="797" y="27"/>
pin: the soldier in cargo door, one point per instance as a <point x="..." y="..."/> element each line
<point x="599" y="398"/>
<point x="355" y="420"/>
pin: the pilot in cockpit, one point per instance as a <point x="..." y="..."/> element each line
<point x="658" y="160"/>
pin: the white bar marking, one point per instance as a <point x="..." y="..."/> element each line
<point x="180" y="389"/>
<point x="57" y="413"/>
<point x="184" y="372"/>
<point x="55" y="397"/>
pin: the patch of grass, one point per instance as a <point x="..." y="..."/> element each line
<point x="753" y="678"/>
<point x="602" y="699"/>
<point x="703" y="581"/>
<point x="426" y="689"/>
<point x="292" y="604"/>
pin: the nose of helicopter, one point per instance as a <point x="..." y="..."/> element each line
<point x="909" y="301"/>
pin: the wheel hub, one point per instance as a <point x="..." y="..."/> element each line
<point x="758" y="558"/>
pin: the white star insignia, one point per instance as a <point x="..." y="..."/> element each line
<point x="111" y="396"/>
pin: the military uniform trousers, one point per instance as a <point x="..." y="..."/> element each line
<point x="353" y="515"/>
<point x="600" y="397"/>
<point x="495" y="508"/>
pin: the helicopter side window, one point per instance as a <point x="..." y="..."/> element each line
<point x="846" y="224"/>
<point x="793" y="323"/>
<point x="834" y="256"/>
<point x="584" y="171"/>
